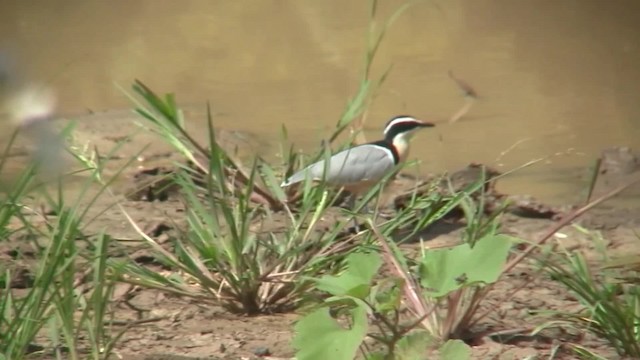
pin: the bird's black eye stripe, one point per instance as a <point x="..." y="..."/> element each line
<point x="400" y="128"/>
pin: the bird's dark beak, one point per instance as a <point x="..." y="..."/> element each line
<point x="426" y="124"/>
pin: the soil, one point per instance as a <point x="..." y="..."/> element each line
<point x="168" y="327"/>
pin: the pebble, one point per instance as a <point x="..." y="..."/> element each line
<point x="262" y="351"/>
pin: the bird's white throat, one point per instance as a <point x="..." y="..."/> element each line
<point x="401" y="143"/>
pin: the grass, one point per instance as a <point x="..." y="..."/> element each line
<point x="608" y="292"/>
<point x="233" y="264"/>
<point x="59" y="308"/>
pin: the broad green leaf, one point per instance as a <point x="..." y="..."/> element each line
<point x="445" y="270"/>
<point x="319" y="337"/>
<point x="356" y="280"/>
<point x="455" y="350"/>
<point x="376" y="356"/>
<point x="413" y="346"/>
<point x="387" y="294"/>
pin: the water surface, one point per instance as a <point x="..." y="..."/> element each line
<point x="557" y="80"/>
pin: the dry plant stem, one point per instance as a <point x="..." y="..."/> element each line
<point x="164" y="252"/>
<point x="467" y="319"/>
<point x="469" y="93"/>
<point x="236" y="174"/>
<point x="258" y="194"/>
<point x="464" y="86"/>
<point x="563" y="222"/>
<point x="453" y="304"/>
<point x="357" y="128"/>
<point x="345" y="245"/>
<point x="394" y="328"/>
<point x="459" y="302"/>
<point x="409" y="287"/>
<point x="594" y="178"/>
<point x="555" y="228"/>
<point x="339" y="247"/>
<point x="414" y="324"/>
<point x="198" y="147"/>
<point x="133" y="323"/>
<point x="463" y="110"/>
<point x="510" y="148"/>
<point x="418" y="189"/>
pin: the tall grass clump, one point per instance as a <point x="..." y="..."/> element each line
<point x="20" y="320"/>
<point x="65" y="310"/>
<point x="608" y="292"/>
<point x="223" y="249"/>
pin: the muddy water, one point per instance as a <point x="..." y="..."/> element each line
<point x="557" y="80"/>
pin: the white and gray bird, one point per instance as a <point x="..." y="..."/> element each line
<point x="361" y="167"/>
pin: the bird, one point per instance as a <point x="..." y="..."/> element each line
<point x="359" y="168"/>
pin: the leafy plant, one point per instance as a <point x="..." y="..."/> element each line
<point x="457" y="277"/>
<point x="442" y="289"/>
<point x="318" y="334"/>
<point x="356" y="298"/>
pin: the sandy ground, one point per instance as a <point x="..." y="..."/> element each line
<point x="167" y="327"/>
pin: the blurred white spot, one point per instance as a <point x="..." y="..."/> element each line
<point x="31" y="104"/>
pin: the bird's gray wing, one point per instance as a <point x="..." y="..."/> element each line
<point x="360" y="163"/>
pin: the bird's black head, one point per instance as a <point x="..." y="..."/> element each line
<point x="403" y="126"/>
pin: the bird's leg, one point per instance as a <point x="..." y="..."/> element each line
<point x="366" y="208"/>
<point x="351" y="203"/>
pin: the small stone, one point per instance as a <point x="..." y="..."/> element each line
<point x="262" y="351"/>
